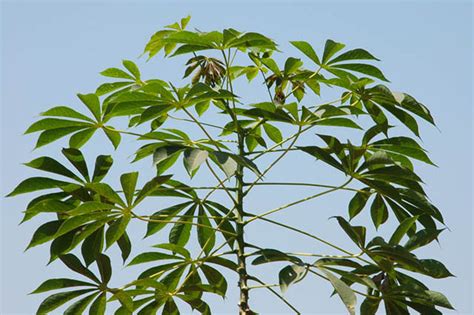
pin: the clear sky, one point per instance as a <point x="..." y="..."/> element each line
<point x="52" y="50"/>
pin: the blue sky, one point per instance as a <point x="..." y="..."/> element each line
<point x="52" y="50"/>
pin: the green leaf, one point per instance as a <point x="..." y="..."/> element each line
<point x="163" y="153"/>
<point x="402" y="145"/>
<point x="132" y="67"/>
<point x="77" y="221"/>
<point x="378" y="211"/>
<point x="402" y="229"/>
<point x="362" y="68"/>
<point x="225" y="162"/>
<point x="46" y="206"/>
<point x="206" y="234"/>
<point x="307" y="49"/>
<point x="129" y="183"/>
<point x="102" y="166"/>
<point x="73" y="263"/>
<point x="193" y="158"/>
<point x="164" y="215"/>
<point x="215" y="279"/>
<point x="439" y="299"/>
<point x="150" y="187"/>
<point x="60" y="283"/>
<point x="170" y="307"/>
<point x="117" y="73"/>
<point x="330" y="48"/>
<point x="151" y="256"/>
<point x="80" y="138"/>
<point x="180" y="232"/>
<point x="55" y="123"/>
<point x="270" y="255"/>
<point x="52" y="135"/>
<point x="116" y="229"/>
<point x="175" y="249"/>
<point x="291" y="275"/>
<point x="292" y="65"/>
<point x="356" y="233"/>
<point x="93" y="103"/>
<point x="369" y="306"/>
<point x="273" y="133"/>
<point x="105" y="269"/>
<point x="355" y="54"/>
<point x="337" y="122"/>
<point x="322" y="155"/>
<point x="422" y="238"/>
<point x="111" y="87"/>
<point x="44" y="233"/>
<point x="93" y="245"/>
<point x="435" y="269"/>
<point x="358" y="202"/>
<point x="114" y="136"/>
<point x="271" y="64"/>
<point x="124" y="299"/>
<point x="65" y="111"/>
<point x="77" y="159"/>
<point x="34" y="184"/>
<point x="88" y="207"/>
<point x="346" y="294"/>
<point x="125" y="246"/>
<point x="80" y="306"/>
<point x="99" y="305"/>
<point x="106" y="191"/>
<point x="56" y="300"/>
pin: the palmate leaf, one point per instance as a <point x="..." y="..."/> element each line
<point x="97" y="296"/>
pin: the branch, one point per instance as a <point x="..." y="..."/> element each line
<point x="220" y="182"/>
<point x="202" y="128"/>
<point x="276" y="145"/>
<point x="275" y="161"/>
<point x="297" y="202"/>
<point x="190" y="120"/>
<point x="268" y="287"/>
<point x="307" y="184"/>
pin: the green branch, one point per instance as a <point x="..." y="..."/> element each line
<point x="298" y="202"/>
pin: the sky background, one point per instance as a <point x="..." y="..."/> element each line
<point x="52" y="50"/>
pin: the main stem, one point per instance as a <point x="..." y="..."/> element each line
<point x="242" y="267"/>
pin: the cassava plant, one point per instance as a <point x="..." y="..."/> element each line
<point x="87" y="215"/>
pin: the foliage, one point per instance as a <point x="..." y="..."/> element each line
<point x="87" y="215"/>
